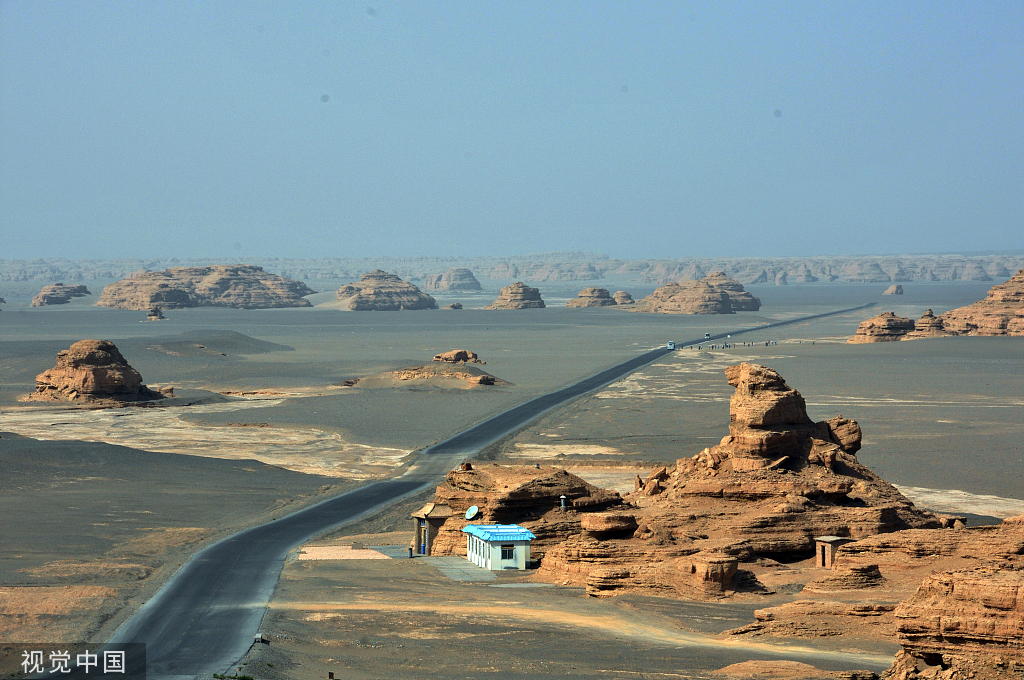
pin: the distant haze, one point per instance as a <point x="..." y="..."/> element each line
<point x="306" y="129"/>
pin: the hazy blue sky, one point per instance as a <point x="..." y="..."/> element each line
<point x="306" y="129"/>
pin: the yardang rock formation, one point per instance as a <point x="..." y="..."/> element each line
<point x="886" y="327"/>
<point x="380" y="291"/>
<point x="58" y="294"/>
<point x="714" y="294"/>
<point x="623" y="298"/>
<point x="518" y="296"/>
<point x="92" y="371"/>
<point x="456" y="278"/>
<point x="238" y="286"/>
<point x="592" y="297"/>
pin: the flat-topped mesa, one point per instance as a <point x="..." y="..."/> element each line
<point x="237" y="286"/>
<point x="623" y="298"/>
<point x="458" y="356"/>
<point x="592" y="297"/>
<point x="92" y="371"/>
<point x="777" y="481"/>
<point x="379" y="291"/>
<point x="894" y="289"/>
<point x="58" y="294"/>
<point x="714" y="294"/>
<point x="1000" y="313"/>
<point x="518" y="296"/>
<point x="456" y="278"/>
<point x="886" y="327"/>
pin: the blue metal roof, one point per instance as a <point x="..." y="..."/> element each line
<point x="499" y="532"/>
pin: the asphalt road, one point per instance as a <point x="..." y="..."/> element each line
<point x="204" y="618"/>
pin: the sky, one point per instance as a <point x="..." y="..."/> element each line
<point x="636" y="129"/>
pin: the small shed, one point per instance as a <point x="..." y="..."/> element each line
<point x="426" y="523"/>
<point x="826" y="548"/>
<point x="498" y="546"/>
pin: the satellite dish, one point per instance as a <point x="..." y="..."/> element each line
<point x="472" y="512"/>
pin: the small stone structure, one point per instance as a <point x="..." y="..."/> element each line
<point x="826" y="548"/>
<point x="498" y="546"/>
<point x="426" y="522"/>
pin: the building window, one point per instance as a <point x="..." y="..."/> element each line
<point x="508" y="552"/>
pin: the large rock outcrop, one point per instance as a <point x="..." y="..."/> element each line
<point x="592" y="297"/>
<point x="773" y="484"/>
<point x="1000" y="313"/>
<point x="58" y="294"/>
<point x="894" y="289"/>
<point x="92" y="371"/>
<point x="623" y="298"/>
<point x="886" y="327"/>
<point x="238" y="286"/>
<point x="379" y="291"/>
<point x="518" y="296"/>
<point x="928" y="326"/>
<point x="458" y="356"/>
<point x="456" y="278"/>
<point x="714" y="294"/>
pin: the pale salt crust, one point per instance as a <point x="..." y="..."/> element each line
<point x="306" y="450"/>
<point x="956" y="501"/>
<point x="339" y="552"/>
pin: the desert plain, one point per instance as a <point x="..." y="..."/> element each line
<point x="101" y="506"/>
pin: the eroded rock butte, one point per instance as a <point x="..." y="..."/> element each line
<point x="92" y="371"/>
<point x="379" y="291"/>
<point x="518" y="296"/>
<point x="58" y="294"/>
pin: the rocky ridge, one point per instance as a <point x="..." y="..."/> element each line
<point x="379" y="291"/>
<point x="92" y="371"/>
<point x="456" y="278"/>
<point x="58" y="294"/>
<point x="592" y="297"/>
<point x="518" y="296"/>
<point x="237" y="286"/>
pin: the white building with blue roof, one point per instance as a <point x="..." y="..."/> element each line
<point x="498" y="546"/>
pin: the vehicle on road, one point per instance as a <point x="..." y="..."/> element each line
<point x="671" y="344"/>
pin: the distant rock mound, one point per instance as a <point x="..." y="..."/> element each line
<point x="1000" y="313"/>
<point x="592" y="297"/>
<point x="886" y="327"/>
<point x="380" y="291"/>
<point x="894" y="289"/>
<point x="454" y="305"/>
<point x="518" y="296"/>
<point x="58" y="294"/>
<point x="155" y="314"/>
<point x="928" y="326"/>
<point x="456" y="278"/>
<point x="92" y="371"/>
<point x="623" y="298"/>
<point x="458" y="356"/>
<point x="714" y="294"/>
<point x="237" y="286"/>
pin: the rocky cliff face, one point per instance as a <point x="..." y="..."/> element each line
<point x="380" y="291"/>
<point x="238" y="286"/>
<point x="518" y="296"/>
<point x="92" y="371"/>
<point x="58" y="294"/>
<point x="886" y="327"/>
<point x="1000" y="313"/>
<point x="773" y="484"/>
<point x="592" y="297"/>
<point x="456" y="278"/>
<point x="715" y="294"/>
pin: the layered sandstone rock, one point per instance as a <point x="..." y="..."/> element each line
<point x="886" y="327"/>
<point x="621" y="297"/>
<point x="379" y="291"/>
<point x="894" y="289"/>
<point x="773" y="484"/>
<point x="928" y="326"/>
<point x="714" y="294"/>
<point x="92" y="371"/>
<point x="592" y="297"/>
<point x="962" y="624"/>
<point x="1000" y="313"/>
<point x="525" y="495"/>
<point x="58" y="294"/>
<point x="458" y="356"/>
<point x="238" y="286"/>
<point x="456" y="278"/>
<point x="518" y="296"/>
